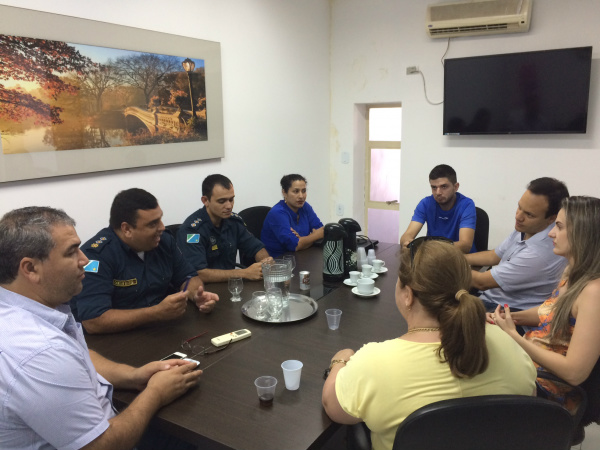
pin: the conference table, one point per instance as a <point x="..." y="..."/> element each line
<point x="223" y="411"/>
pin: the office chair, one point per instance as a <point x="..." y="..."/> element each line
<point x="490" y="422"/>
<point x="173" y="229"/>
<point x="254" y="217"/>
<point x="493" y="422"/>
<point x="482" y="230"/>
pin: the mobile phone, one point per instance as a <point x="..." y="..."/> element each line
<point x="179" y="355"/>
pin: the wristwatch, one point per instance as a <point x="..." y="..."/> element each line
<point x="335" y="361"/>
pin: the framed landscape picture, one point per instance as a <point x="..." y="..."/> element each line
<point x="79" y="96"/>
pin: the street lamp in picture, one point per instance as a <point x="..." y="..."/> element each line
<point x="189" y="66"/>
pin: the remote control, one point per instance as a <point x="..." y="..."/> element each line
<point x="230" y="337"/>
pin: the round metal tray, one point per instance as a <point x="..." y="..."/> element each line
<point x="299" y="307"/>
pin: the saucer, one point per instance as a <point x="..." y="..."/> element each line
<point x="376" y="291"/>
<point x="347" y="282"/>
<point x="383" y="270"/>
<point x="372" y="277"/>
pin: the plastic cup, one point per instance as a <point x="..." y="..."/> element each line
<point x="367" y="270"/>
<point x="265" y="388"/>
<point x="292" y="369"/>
<point x="333" y="318"/>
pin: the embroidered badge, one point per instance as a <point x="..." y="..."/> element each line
<point x="94" y="245"/>
<point x="193" y="238"/>
<point x="193" y="225"/>
<point x="125" y="283"/>
<point x="92" y="266"/>
<point x="214" y="247"/>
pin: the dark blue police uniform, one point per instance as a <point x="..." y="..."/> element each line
<point x="206" y="246"/>
<point x="118" y="278"/>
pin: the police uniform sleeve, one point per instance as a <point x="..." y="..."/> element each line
<point x="247" y="243"/>
<point x="181" y="266"/>
<point x="97" y="293"/>
<point x="192" y="241"/>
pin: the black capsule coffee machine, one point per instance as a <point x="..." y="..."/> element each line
<point x="333" y="252"/>
<point x="352" y="227"/>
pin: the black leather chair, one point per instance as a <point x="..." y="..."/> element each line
<point x="482" y="230"/>
<point x="490" y="422"/>
<point x="173" y="228"/>
<point x="254" y="217"/>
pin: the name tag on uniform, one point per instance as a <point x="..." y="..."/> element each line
<point x="193" y="238"/>
<point x="125" y="283"/>
<point x="215" y="247"/>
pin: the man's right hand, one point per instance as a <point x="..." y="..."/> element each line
<point x="253" y="272"/>
<point x="173" y="306"/>
<point x="173" y="382"/>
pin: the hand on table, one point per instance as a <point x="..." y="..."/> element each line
<point x="173" y="382"/>
<point x="172" y="306"/>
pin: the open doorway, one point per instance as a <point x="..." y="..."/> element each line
<point x="382" y="171"/>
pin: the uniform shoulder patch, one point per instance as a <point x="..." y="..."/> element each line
<point x="192" y="238"/>
<point x="92" y="266"/>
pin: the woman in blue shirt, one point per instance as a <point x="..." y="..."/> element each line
<point x="291" y="225"/>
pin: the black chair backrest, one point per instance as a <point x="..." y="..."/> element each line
<point x="591" y="386"/>
<point x="491" y="422"/>
<point x="254" y="218"/>
<point x="482" y="230"/>
<point x="173" y="228"/>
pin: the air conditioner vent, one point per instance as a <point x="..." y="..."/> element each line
<point x="478" y="17"/>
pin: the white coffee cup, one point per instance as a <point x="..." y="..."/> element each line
<point x="367" y="270"/>
<point x="354" y="276"/>
<point x="366" y="286"/>
<point x="378" y="264"/>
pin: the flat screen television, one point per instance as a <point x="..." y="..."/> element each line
<point x="518" y="93"/>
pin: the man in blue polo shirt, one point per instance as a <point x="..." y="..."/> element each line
<point x="136" y="274"/>
<point x="211" y="236"/>
<point x="447" y="212"/>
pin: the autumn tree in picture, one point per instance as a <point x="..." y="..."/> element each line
<point x="41" y="61"/>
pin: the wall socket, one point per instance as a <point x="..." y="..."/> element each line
<point x="412" y="69"/>
<point x="339" y="209"/>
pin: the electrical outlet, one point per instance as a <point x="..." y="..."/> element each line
<point x="339" y="209"/>
<point x="412" y="69"/>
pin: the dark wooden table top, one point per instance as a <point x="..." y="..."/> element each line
<point x="223" y="411"/>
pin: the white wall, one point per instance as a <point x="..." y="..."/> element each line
<point x="275" y="63"/>
<point x="372" y="44"/>
<point x="285" y="64"/>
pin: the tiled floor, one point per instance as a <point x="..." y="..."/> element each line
<point x="592" y="438"/>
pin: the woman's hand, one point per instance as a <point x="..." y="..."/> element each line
<point x="504" y="320"/>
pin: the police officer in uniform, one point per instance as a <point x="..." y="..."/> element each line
<point x="136" y="274"/>
<point x="211" y="237"/>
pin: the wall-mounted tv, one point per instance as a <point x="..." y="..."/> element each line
<point x="518" y="93"/>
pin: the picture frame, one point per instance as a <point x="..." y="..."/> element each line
<point x="34" y="24"/>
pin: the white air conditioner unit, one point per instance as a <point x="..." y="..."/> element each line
<point x="478" y="18"/>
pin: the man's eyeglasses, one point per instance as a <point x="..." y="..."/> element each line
<point x="414" y="245"/>
<point x="188" y="346"/>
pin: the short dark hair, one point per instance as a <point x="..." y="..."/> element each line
<point x="555" y="191"/>
<point x="287" y="181"/>
<point x="126" y="204"/>
<point x="443" y="171"/>
<point x="210" y="181"/>
<point x="27" y="233"/>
